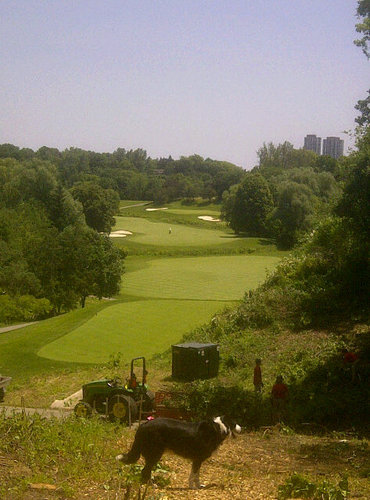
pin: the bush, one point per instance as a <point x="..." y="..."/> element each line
<point x="211" y="398"/>
<point x="297" y="486"/>
<point x="23" y="308"/>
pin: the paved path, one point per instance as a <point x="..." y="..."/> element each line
<point x="15" y="327"/>
<point x="137" y="205"/>
<point x="9" y="411"/>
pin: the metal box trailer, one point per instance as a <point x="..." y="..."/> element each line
<point x="191" y="361"/>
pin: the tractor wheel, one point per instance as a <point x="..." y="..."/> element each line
<point x="118" y="407"/>
<point x="82" y="409"/>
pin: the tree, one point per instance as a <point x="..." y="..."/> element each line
<point x="354" y="205"/>
<point x="274" y="159"/>
<point x="291" y="217"/>
<point x="363" y="27"/>
<point x="363" y="14"/>
<point x="89" y="263"/>
<point x="99" y="205"/>
<point x="363" y="106"/>
<point x="253" y="203"/>
<point x="63" y="209"/>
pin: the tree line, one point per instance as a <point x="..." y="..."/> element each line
<point x="52" y="255"/>
<point x="285" y="194"/>
<point x="133" y="175"/>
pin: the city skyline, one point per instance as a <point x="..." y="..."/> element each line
<point x="331" y="146"/>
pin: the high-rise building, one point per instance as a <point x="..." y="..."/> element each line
<point x="312" y="143"/>
<point x="333" y="146"/>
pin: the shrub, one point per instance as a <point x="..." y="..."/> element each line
<point x="210" y="398"/>
<point x="297" y="486"/>
<point x="23" y="308"/>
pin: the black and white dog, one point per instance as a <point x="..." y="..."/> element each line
<point x="193" y="440"/>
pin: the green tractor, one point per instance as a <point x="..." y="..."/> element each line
<point x="120" y="402"/>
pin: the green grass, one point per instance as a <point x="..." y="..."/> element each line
<point x="174" y="213"/>
<point x="157" y="233"/>
<point x="18" y="348"/>
<point x="153" y="238"/>
<point x="202" y="278"/>
<point x="141" y="328"/>
<point x="151" y="309"/>
<point x="195" y="212"/>
<point x="132" y="203"/>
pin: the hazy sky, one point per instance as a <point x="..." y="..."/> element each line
<point x="177" y="77"/>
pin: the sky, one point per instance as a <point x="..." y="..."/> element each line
<point x="216" y="78"/>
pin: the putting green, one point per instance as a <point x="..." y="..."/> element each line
<point x="157" y="233"/>
<point x="141" y="328"/>
<point x="203" y="278"/>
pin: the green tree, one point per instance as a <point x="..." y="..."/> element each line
<point x="363" y="106"/>
<point x="63" y="210"/>
<point x="99" y="205"/>
<point x="252" y="206"/>
<point x="89" y="263"/>
<point x="363" y="27"/>
<point x="291" y="217"/>
<point x="354" y="205"/>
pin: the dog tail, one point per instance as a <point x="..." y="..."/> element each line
<point x="132" y="456"/>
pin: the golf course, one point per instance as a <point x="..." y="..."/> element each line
<point x="180" y="270"/>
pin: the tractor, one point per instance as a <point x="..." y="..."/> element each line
<point x="120" y="402"/>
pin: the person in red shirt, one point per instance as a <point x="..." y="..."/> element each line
<point x="350" y="360"/>
<point x="257" y="377"/>
<point x="279" y="398"/>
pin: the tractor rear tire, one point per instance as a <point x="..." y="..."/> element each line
<point x="118" y="407"/>
<point x="82" y="410"/>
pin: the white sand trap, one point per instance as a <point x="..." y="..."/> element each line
<point x="154" y="209"/>
<point x="69" y="402"/>
<point x="120" y="234"/>
<point x="208" y="218"/>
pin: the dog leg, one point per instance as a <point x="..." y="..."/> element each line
<point x="194" y="482"/>
<point x="146" y="473"/>
<point x="151" y="461"/>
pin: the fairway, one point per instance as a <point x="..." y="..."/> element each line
<point x="157" y="233"/>
<point x="203" y="278"/>
<point x="140" y="328"/>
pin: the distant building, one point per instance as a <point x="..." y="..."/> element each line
<point x="333" y="146"/>
<point x="312" y="143"/>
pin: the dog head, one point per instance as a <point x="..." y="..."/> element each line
<point x="228" y="427"/>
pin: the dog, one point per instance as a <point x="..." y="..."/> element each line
<point x="193" y="440"/>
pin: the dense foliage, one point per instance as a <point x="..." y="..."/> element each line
<point x="49" y="257"/>
<point x="324" y="283"/>
<point x="132" y="174"/>
<point x="285" y="194"/>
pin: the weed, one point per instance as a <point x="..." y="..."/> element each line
<point x="297" y="486"/>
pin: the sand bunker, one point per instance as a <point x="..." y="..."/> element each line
<point x="120" y="234"/>
<point x="208" y="218"/>
<point x="154" y="209"/>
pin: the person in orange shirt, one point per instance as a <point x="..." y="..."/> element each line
<point x="257" y="377"/>
<point x="279" y="398"/>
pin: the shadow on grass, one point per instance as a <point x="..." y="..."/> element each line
<point x="358" y="454"/>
